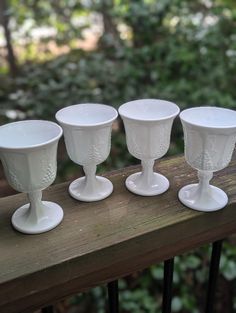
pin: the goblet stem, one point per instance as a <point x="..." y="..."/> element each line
<point x="204" y="186"/>
<point x="90" y="178"/>
<point x="147" y="172"/>
<point x="203" y="196"/>
<point x="90" y="187"/>
<point x="147" y="182"/>
<point x="36" y="208"/>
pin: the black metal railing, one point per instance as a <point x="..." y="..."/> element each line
<point x="113" y="293"/>
<point x="213" y="275"/>
<point x="167" y="289"/>
<point x="48" y="309"/>
<point x="113" y="296"/>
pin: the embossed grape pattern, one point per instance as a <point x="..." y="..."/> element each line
<point x="49" y="174"/>
<point x="14" y="181"/>
<point x="99" y="149"/>
<point x="208" y="152"/>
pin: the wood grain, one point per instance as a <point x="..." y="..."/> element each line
<point x="98" y="242"/>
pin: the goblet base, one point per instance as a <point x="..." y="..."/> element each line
<point x="212" y="201"/>
<point x="53" y="217"/>
<point x="135" y="184"/>
<point x="80" y="191"/>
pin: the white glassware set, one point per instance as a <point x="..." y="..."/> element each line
<point x="28" y="152"/>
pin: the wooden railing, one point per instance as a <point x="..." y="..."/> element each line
<point x="99" y="242"/>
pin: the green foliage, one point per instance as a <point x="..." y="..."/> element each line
<point x="227" y="262"/>
<point x="57" y="14"/>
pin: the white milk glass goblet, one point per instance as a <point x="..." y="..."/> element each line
<point x="148" y="124"/>
<point x="87" y="132"/>
<point x="28" y="151"/>
<point x="209" y="136"/>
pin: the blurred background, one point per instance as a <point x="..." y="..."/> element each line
<point x="55" y="53"/>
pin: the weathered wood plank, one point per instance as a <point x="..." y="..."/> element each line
<point x="99" y="242"/>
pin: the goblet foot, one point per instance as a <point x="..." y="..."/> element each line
<point x="53" y="215"/>
<point x="79" y="190"/>
<point x="135" y="183"/>
<point x="214" y="200"/>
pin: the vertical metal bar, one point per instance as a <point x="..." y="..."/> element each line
<point x="213" y="275"/>
<point x="48" y="309"/>
<point x="167" y="290"/>
<point x="113" y="297"/>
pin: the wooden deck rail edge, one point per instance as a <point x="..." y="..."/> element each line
<point x="101" y="241"/>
